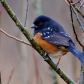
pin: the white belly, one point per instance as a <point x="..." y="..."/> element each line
<point x="57" y="55"/>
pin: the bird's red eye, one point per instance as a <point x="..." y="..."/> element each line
<point x="40" y="23"/>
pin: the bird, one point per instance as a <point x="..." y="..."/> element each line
<point x="53" y="39"/>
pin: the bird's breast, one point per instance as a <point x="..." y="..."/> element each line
<point x="51" y="49"/>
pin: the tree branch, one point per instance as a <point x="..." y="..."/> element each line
<point x="26" y="15"/>
<point x="81" y="81"/>
<point x="81" y="5"/>
<point x="10" y="76"/>
<point x="34" y="44"/>
<point x="77" y="18"/>
<point x="14" y="37"/>
<point x="67" y="2"/>
<point x="74" y="29"/>
<point x="75" y="2"/>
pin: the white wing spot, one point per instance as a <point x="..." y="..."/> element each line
<point x="41" y="34"/>
<point x="65" y="34"/>
<point x="48" y="36"/>
<point x="47" y="32"/>
<point x="48" y="28"/>
<point x="44" y="33"/>
<point x="51" y="29"/>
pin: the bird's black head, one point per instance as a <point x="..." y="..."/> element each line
<point x="40" y="23"/>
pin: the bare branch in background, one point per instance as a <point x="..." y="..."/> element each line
<point x="74" y="29"/>
<point x="67" y="2"/>
<point x="75" y="2"/>
<point x="77" y="79"/>
<point x="77" y="18"/>
<point x="26" y="15"/>
<point x="81" y="5"/>
<point x="76" y="8"/>
<point x="9" y="79"/>
<point x="81" y="79"/>
<point x="14" y="37"/>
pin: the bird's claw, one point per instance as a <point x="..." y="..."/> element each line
<point x="45" y="58"/>
<point x="45" y="55"/>
<point x="57" y="66"/>
<point x="57" y="63"/>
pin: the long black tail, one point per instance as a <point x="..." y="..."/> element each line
<point x="76" y="52"/>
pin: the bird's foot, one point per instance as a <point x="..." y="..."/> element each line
<point x="58" y="63"/>
<point x="45" y="54"/>
<point x="45" y="58"/>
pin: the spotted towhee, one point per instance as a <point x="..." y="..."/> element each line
<point x="52" y="38"/>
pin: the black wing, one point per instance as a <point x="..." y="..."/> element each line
<point x="56" y="38"/>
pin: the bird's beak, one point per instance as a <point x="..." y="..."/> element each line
<point x="34" y="26"/>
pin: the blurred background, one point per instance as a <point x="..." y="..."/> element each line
<point x="21" y="61"/>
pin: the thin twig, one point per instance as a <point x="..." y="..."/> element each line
<point x="35" y="45"/>
<point x="67" y="2"/>
<point x="75" y="2"/>
<point x="81" y="5"/>
<point x="80" y="24"/>
<point x="77" y="18"/>
<point x="26" y="15"/>
<point x="77" y="79"/>
<point x="14" y="37"/>
<point x="10" y="76"/>
<point x="74" y="28"/>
